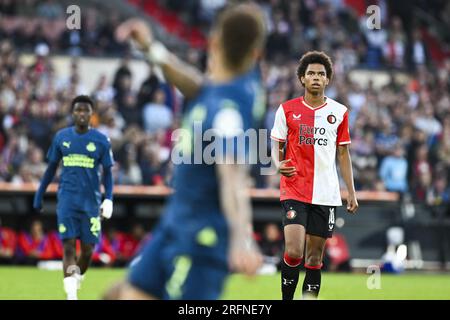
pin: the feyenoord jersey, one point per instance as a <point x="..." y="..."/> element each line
<point x="311" y="136"/>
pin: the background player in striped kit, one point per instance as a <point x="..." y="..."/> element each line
<point x="307" y="133"/>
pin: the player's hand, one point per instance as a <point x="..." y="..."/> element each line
<point x="106" y="209"/>
<point x="140" y="35"/>
<point x="285" y="170"/>
<point x="37" y="208"/>
<point x="352" y="203"/>
<point x="38" y="211"/>
<point x="245" y="257"/>
<point x="136" y="30"/>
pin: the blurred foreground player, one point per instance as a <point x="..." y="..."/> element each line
<point x="82" y="151"/>
<point x="206" y="230"/>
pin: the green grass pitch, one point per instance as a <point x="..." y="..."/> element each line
<point x="20" y="283"/>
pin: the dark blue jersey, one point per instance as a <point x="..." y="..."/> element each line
<point x="81" y="156"/>
<point x="196" y="190"/>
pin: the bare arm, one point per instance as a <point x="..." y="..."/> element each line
<point x="185" y="77"/>
<point x="278" y="136"/>
<point x="345" y="163"/>
<point x="177" y="72"/>
<point x="236" y="205"/>
<point x="277" y="153"/>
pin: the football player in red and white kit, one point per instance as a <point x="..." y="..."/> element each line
<point x="307" y="132"/>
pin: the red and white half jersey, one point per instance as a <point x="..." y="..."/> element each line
<point x="311" y="136"/>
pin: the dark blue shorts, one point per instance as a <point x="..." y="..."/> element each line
<point x="170" y="268"/>
<point x="74" y="223"/>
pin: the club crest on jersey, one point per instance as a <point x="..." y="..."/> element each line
<point x="291" y="214"/>
<point x="331" y="119"/>
<point x="91" y="147"/>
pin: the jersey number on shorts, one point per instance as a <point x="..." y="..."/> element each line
<point x="95" y="226"/>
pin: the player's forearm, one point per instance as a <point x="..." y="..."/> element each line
<point x="46" y="180"/>
<point x="235" y="201"/>
<point x="345" y="164"/>
<point x="186" y="78"/>
<point x="108" y="182"/>
<point x="277" y="152"/>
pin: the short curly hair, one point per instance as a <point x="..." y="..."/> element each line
<point x="311" y="57"/>
<point x="82" y="99"/>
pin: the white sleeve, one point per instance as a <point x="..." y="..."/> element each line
<point x="279" y="130"/>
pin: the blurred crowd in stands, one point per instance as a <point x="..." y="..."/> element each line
<point x="400" y="131"/>
<point x="30" y="22"/>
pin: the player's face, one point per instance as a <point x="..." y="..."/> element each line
<point x="82" y="113"/>
<point x="315" y="79"/>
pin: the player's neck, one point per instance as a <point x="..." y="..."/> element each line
<point x="82" y="129"/>
<point x="219" y="73"/>
<point x="221" y="77"/>
<point x="314" y="100"/>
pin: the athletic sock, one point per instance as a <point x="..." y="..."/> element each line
<point x="80" y="279"/>
<point x="311" y="284"/>
<point x="290" y="268"/>
<point x="71" y="287"/>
